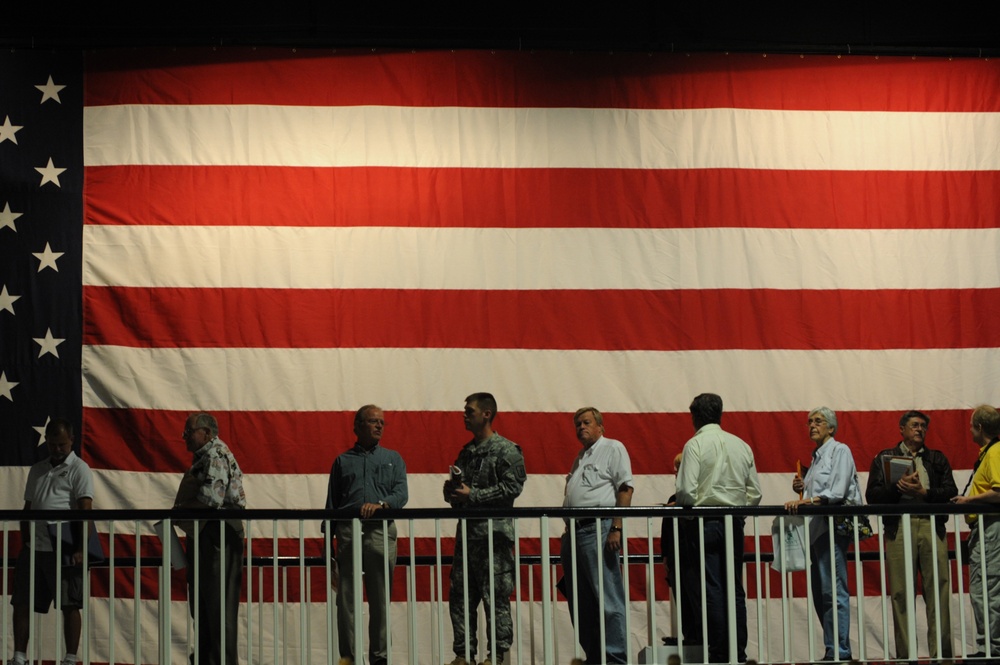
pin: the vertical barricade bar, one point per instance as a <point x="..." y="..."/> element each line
<point x="574" y="586"/>
<point x="85" y="610"/>
<point x="625" y="590"/>
<point x="859" y="583"/>
<point x="136" y="600"/>
<point x="910" y="576"/>
<point x="548" y="639"/>
<point x="727" y="524"/>
<point x="274" y="594"/>
<point x="328" y="564"/>
<point x="111" y="592"/>
<point x="516" y="642"/>
<point x="387" y="573"/>
<point x="32" y="562"/>
<point x="961" y="584"/>
<point x="885" y="592"/>
<point x="651" y="590"/>
<point x="355" y="582"/>
<point x="165" y="595"/>
<point x="249" y="557"/>
<point x="491" y="566"/>
<point x="411" y="596"/>
<point x="57" y="624"/>
<point x="440" y="591"/>
<point x="304" y="658"/>
<point x="761" y="608"/>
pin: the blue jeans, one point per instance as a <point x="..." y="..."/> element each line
<point x="588" y="600"/>
<point x="822" y="590"/>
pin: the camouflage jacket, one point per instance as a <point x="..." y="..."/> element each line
<point x="494" y="472"/>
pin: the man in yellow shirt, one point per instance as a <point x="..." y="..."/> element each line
<point x="984" y="535"/>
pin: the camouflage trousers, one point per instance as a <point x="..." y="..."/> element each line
<point x="478" y="575"/>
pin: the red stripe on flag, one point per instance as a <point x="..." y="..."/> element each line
<point x="589" y="80"/>
<point x="272" y="442"/>
<point x="629" y="320"/>
<point x="552" y="198"/>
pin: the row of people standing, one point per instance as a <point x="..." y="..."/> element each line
<point x="64" y="481"/>
<point x="718" y="469"/>
<point x="831" y="479"/>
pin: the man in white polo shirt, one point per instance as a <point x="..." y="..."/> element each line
<point x="63" y="481"/>
<point x="601" y="476"/>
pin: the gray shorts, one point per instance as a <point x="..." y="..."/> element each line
<point x="45" y="582"/>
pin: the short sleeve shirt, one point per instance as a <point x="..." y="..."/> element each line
<point x="57" y="488"/>
<point x="597" y="473"/>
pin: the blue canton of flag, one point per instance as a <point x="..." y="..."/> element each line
<point x="41" y="233"/>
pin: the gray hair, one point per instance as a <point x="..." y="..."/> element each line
<point x="828" y="415"/>
<point x="206" y="421"/>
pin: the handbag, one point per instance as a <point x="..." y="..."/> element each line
<point x="843" y="525"/>
<point x="788" y="543"/>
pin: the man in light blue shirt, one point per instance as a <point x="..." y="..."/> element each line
<point x="365" y="479"/>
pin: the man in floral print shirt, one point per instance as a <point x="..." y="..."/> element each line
<point x="214" y="481"/>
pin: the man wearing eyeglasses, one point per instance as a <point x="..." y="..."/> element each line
<point x="929" y="480"/>
<point x="215" y="482"/>
<point x="364" y="480"/>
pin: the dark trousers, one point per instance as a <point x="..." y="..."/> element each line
<point x="219" y="565"/>
<point x="716" y="588"/>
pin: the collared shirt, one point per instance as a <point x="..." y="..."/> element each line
<point x="717" y="469"/>
<point x="360" y="476"/>
<point x="494" y="471"/>
<point x="833" y="477"/>
<point x="57" y="487"/>
<point x="598" y="472"/>
<point x="987" y="475"/>
<point x="214" y="479"/>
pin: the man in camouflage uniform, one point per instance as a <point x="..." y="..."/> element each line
<point x="492" y="476"/>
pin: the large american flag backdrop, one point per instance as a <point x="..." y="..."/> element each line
<point x="279" y="237"/>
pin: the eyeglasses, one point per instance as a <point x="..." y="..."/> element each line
<point x="189" y="431"/>
<point x="817" y="421"/>
<point x="375" y="421"/>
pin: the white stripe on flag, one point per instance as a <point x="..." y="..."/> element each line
<point x="407" y="379"/>
<point x="527" y="259"/>
<point x="537" y="137"/>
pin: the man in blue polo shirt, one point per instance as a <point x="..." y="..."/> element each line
<point x="63" y="481"/>
<point x="367" y="478"/>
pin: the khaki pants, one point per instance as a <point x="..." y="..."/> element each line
<point x="928" y="553"/>
<point x="373" y="568"/>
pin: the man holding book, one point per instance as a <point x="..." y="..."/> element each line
<point x="911" y="474"/>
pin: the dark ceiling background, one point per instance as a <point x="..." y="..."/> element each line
<point x="952" y="28"/>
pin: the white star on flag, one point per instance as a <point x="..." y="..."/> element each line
<point x="41" y="430"/>
<point x="6" y="386"/>
<point x="8" y="131"/>
<point x="50" y="173"/>
<point x="47" y="258"/>
<point x="7" y="300"/>
<point x="50" y="91"/>
<point x="7" y="217"/>
<point x="48" y="343"/>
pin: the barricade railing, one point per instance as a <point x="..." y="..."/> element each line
<point x="135" y="602"/>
